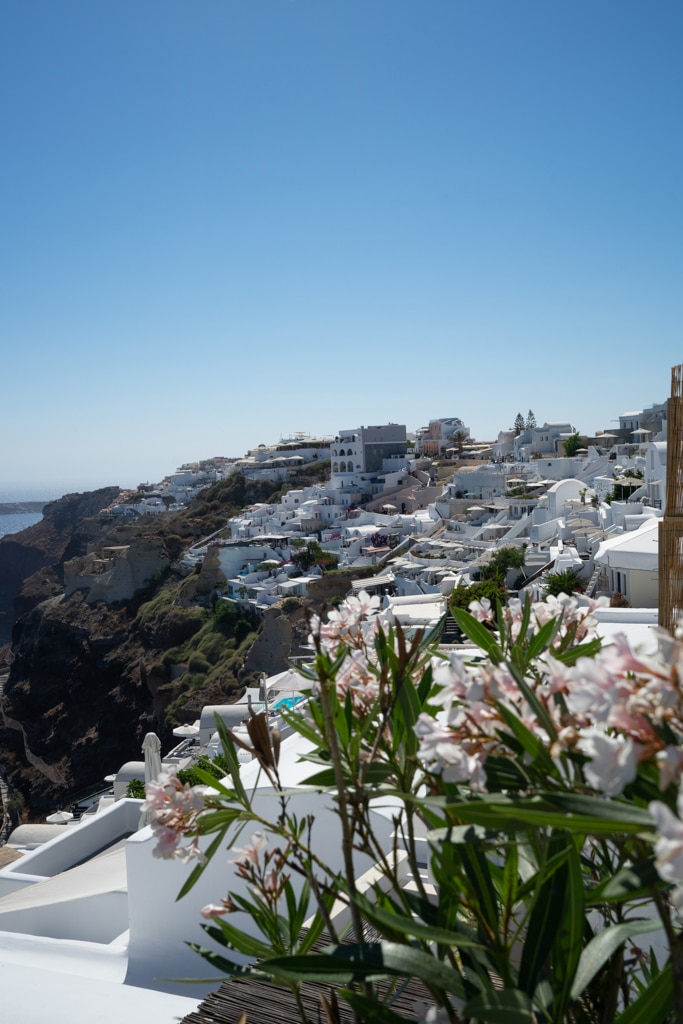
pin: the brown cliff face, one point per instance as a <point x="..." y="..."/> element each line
<point x="77" y="692"/>
<point x="37" y="554"/>
<point x="86" y="681"/>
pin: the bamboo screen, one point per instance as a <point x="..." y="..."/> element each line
<point x="671" y="526"/>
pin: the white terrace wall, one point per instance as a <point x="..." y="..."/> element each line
<point x="160" y="926"/>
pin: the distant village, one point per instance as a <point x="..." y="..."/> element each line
<point x="411" y="518"/>
<point x="424" y="513"/>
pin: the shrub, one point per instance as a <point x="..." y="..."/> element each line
<point x="566" y="582"/>
<point x="551" y="809"/>
<point x="198" y="663"/>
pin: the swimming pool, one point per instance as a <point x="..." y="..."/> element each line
<point x="287" y="702"/>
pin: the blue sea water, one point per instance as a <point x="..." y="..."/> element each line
<point x="18" y="521"/>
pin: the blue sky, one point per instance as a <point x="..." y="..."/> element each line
<point x="228" y="220"/>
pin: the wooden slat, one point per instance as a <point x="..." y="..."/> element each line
<point x="671" y="526"/>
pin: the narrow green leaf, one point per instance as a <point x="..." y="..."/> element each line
<point x="231" y="757"/>
<point x="477" y="870"/>
<point x="542" y="639"/>
<point x="510" y="877"/>
<point x="509" y="1006"/>
<point x="546" y="914"/>
<point x="366" y="961"/>
<point x="316" y="928"/>
<point x="587" y="650"/>
<point x="302" y="725"/>
<point x="323" y="780"/>
<point x="604" y="945"/>
<point x="654" y="1005"/>
<point x="371" y="1009"/>
<point x="539" y="709"/>
<point x="569" y="938"/>
<point x="221" y="963"/>
<point x="477" y="633"/>
<point x="536" y="750"/>
<point x="196" y="872"/>
<point x="629" y="883"/>
<point x="230" y="937"/>
<point x="570" y="811"/>
<point x="401" y="923"/>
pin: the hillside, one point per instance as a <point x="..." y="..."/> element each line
<point x="86" y="681"/>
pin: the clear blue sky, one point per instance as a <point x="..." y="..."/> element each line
<point x="227" y="220"/>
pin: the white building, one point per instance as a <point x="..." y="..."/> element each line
<point x="362" y="458"/>
<point x="436" y="438"/>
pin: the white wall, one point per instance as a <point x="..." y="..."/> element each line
<point x="160" y="926"/>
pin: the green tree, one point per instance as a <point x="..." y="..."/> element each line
<point x="572" y="444"/>
<point x="312" y="555"/>
<point x="530" y="420"/>
<point x="458" y="440"/>
<point x="519" y="424"/>
<point x="566" y="582"/>
<point x="503" y="560"/>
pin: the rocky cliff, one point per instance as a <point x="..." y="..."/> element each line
<point x="130" y="644"/>
<point x="31" y="562"/>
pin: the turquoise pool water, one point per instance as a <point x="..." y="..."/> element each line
<point x="287" y="702"/>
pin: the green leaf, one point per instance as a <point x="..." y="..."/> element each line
<point x="587" y="650"/>
<point x="477" y="871"/>
<point x="221" y="963"/>
<point x="573" y="812"/>
<point x="569" y="938"/>
<point x="604" y="945"/>
<point x="196" y="872"/>
<point x="546" y="915"/>
<point x="316" y="927"/>
<point x="322" y="780"/>
<point x="231" y="757"/>
<point x="410" y="708"/>
<point x="227" y="935"/>
<point x="542" y="639"/>
<point x="509" y="1006"/>
<point x="397" y="922"/>
<point x="510" y="880"/>
<point x="478" y="634"/>
<point x="364" y="962"/>
<point x="371" y="1009"/>
<point x="531" y="743"/>
<point x="630" y="883"/>
<point x="654" y="1005"/>
<point x="537" y="706"/>
<point x="301" y="725"/>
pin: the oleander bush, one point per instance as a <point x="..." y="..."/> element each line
<point x="540" y="770"/>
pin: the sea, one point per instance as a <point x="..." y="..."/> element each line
<point x="15" y="522"/>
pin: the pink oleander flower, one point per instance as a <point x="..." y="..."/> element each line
<point x="669" y="845"/>
<point x="458" y="758"/>
<point x="670" y="764"/>
<point x="357" y="680"/>
<point x="212" y="911"/>
<point x="481" y="610"/>
<point x="250" y="853"/>
<point x="613" y="760"/>
<point x="351" y="624"/>
<point x="173" y="810"/>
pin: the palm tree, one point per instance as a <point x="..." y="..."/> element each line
<point x="458" y="441"/>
